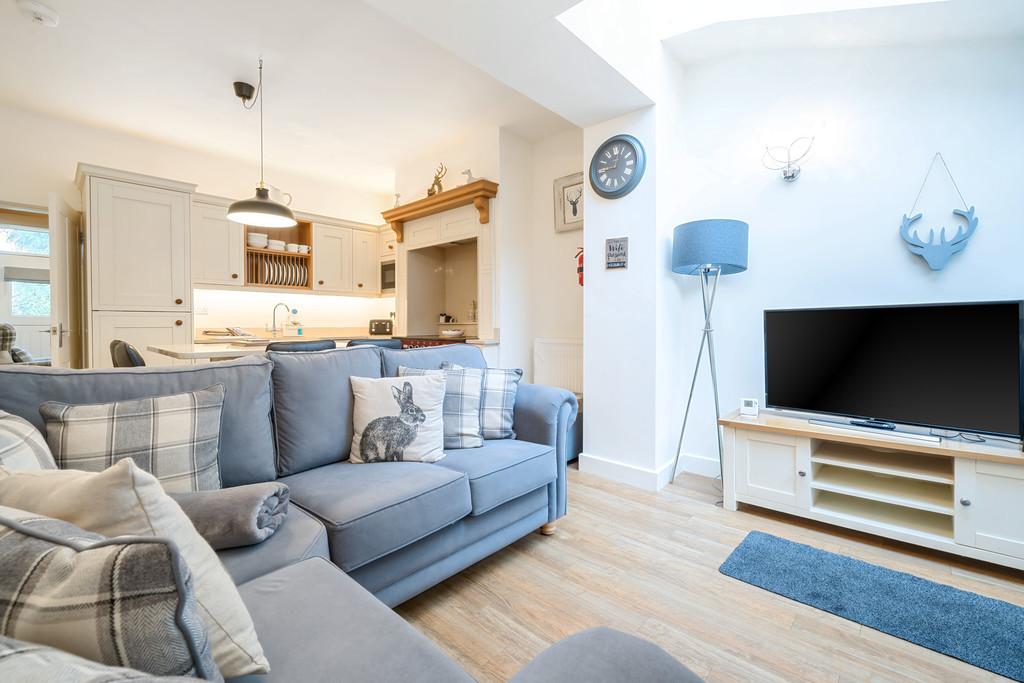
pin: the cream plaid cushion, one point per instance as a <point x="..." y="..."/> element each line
<point x="20" y="661"/>
<point x="497" y="400"/>
<point x="174" y="438"/>
<point x="22" y="446"/>
<point x="124" y="601"/>
<point x="461" y="404"/>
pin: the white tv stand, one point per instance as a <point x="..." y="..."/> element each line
<point x="956" y="497"/>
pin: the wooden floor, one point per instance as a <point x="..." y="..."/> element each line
<point x="647" y="564"/>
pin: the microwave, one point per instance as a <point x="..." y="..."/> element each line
<point x="387" y="277"/>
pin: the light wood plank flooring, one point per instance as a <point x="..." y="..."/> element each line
<point x="647" y="564"/>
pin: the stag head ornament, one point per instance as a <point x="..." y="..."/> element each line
<point x="937" y="254"/>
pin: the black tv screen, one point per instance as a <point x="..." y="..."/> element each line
<point x="950" y="366"/>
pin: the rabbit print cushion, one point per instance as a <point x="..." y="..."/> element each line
<point x="398" y="418"/>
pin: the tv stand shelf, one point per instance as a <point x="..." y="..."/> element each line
<point x="957" y="497"/>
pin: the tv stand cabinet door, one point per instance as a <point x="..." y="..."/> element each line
<point x="988" y="496"/>
<point x="773" y="468"/>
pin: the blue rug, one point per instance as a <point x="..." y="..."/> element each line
<point x="978" y="630"/>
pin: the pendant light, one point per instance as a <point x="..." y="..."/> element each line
<point x="260" y="211"/>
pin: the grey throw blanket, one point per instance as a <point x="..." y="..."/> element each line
<point x="236" y="516"/>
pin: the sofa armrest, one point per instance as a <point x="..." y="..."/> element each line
<point x="545" y="415"/>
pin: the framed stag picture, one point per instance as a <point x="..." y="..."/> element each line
<point x="569" y="203"/>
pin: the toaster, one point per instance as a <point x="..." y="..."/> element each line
<point x="380" y="327"/>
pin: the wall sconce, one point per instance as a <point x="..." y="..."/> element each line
<point x="785" y="159"/>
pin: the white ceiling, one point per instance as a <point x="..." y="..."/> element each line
<point x="350" y="92"/>
<point x="917" y="24"/>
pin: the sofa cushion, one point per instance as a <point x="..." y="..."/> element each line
<point x="22" y="447"/>
<point x="398" y="419"/>
<point x="174" y="438"/>
<point x="105" y="599"/>
<point x="21" y="661"/>
<point x="300" y="537"/>
<point x="320" y="625"/>
<point x="604" y="655"/>
<point x="502" y="470"/>
<point x="466" y="355"/>
<point x="373" y="509"/>
<point x="246" y="440"/>
<point x="313" y="404"/>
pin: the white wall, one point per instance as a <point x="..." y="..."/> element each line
<point x="620" y="371"/>
<point x="557" y="298"/>
<point x="831" y="238"/>
<point x="40" y="154"/>
<point x="223" y="308"/>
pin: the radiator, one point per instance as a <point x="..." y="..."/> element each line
<point x="559" y="363"/>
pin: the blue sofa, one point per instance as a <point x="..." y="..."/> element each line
<point x="393" y="529"/>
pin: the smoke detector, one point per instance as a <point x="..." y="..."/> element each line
<point x="38" y="13"/>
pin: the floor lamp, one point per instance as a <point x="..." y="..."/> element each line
<point x="709" y="249"/>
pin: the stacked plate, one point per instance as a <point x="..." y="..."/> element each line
<point x="283" y="272"/>
<point x="256" y="240"/>
<point x="275" y="245"/>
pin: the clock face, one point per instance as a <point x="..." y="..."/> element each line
<point x="617" y="166"/>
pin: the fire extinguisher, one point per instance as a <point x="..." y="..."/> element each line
<point x="579" y="266"/>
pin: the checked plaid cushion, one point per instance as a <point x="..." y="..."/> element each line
<point x="125" y="601"/>
<point x="462" y="394"/>
<point x="497" y="400"/>
<point x="22" y="446"/>
<point x="174" y="438"/>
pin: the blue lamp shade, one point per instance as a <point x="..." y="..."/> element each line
<point x="716" y="242"/>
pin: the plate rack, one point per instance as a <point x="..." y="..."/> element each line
<point x="280" y="269"/>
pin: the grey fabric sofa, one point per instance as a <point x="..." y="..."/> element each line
<point x="355" y="532"/>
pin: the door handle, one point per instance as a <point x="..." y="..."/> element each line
<point x="59" y="333"/>
<point x="966" y="502"/>
<point x="360" y="284"/>
<point x="179" y="323"/>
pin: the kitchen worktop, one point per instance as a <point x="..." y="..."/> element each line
<point x="221" y="350"/>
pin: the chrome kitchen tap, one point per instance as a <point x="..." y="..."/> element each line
<point x="273" y="317"/>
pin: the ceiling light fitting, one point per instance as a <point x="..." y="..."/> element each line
<point x="260" y="210"/>
<point x="38" y="13"/>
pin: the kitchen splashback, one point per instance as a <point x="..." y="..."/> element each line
<point x="223" y="308"/>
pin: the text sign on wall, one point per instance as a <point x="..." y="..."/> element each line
<point x="616" y="252"/>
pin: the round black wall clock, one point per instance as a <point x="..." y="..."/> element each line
<point x="617" y="166"/>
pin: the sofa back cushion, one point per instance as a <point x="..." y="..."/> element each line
<point x="466" y="355"/>
<point x="246" y="442"/>
<point x="313" y="404"/>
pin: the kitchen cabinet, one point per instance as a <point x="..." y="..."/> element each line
<point x="140" y="329"/>
<point x="139" y="247"/>
<point x="388" y="245"/>
<point x="217" y="247"/>
<point x="365" y="264"/>
<point x="423" y="231"/>
<point x="332" y="258"/>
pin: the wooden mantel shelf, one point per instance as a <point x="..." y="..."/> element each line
<point x="477" y="193"/>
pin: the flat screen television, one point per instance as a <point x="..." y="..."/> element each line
<point x="946" y="366"/>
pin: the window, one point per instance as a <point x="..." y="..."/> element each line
<point x="30" y="299"/>
<point x="18" y="240"/>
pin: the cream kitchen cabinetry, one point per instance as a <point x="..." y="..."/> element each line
<point x="138" y="285"/>
<point x="332" y="258"/>
<point x="365" y="264"/>
<point x="140" y="329"/>
<point x="388" y="245"/>
<point x="217" y="246"/>
<point x="139" y="247"/>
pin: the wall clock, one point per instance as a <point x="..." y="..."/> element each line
<point x="617" y="166"/>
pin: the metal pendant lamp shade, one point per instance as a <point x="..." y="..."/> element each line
<point x="719" y="243"/>
<point x="261" y="211"/>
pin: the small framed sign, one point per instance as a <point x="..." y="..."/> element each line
<point x="616" y="252"/>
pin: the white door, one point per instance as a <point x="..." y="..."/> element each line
<point x="988" y="497"/>
<point x="773" y="468"/>
<point x="139" y="241"/>
<point x="365" y="263"/>
<point x="66" y="303"/>
<point x="332" y="259"/>
<point x="140" y="330"/>
<point x="217" y="247"/>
